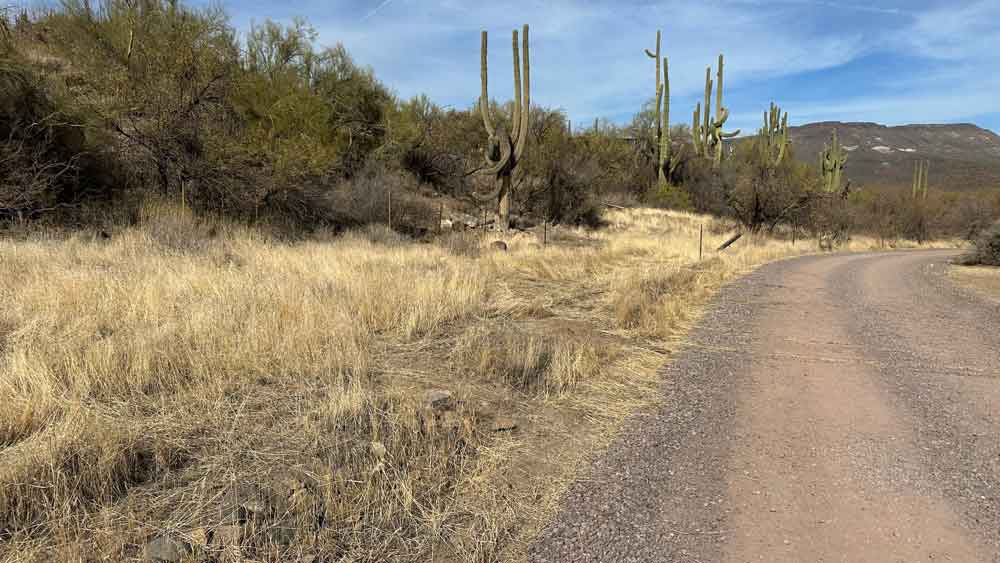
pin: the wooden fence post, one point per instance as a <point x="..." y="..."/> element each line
<point x="701" y="239"/>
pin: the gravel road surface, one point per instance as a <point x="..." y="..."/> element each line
<point x="841" y="408"/>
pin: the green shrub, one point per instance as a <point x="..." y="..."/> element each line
<point x="986" y="251"/>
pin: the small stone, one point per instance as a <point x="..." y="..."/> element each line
<point x="504" y="424"/>
<point x="167" y="549"/>
<point x="438" y="399"/>
<point x="499" y="245"/>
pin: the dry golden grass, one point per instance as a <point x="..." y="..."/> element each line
<point x="149" y="380"/>
<point x="983" y="279"/>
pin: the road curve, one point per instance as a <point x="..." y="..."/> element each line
<point x="840" y="408"/>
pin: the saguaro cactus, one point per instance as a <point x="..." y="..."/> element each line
<point x="708" y="135"/>
<point x="920" y="170"/>
<point x="666" y="162"/>
<point x="831" y="164"/>
<point x="774" y="135"/>
<point x="660" y="103"/>
<point x="504" y="149"/>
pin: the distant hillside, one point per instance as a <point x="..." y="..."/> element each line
<point x="963" y="157"/>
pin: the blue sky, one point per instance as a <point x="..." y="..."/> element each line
<point x="889" y="61"/>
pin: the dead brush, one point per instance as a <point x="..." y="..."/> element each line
<point x="657" y="300"/>
<point x="467" y="243"/>
<point x="86" y="458"/>
<point x="366" y="476"/>
<point x="532" y="363"/>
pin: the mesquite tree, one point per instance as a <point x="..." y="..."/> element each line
<point x="504" y="149"/>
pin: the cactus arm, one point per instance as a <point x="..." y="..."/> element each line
<point x="515" y="123"/>
<point x="656" y="56"/>
<point x="706" y="123"/>
<point x="783" y="140"/>
<point x="927" y="170"/>
<point x="719" y="110"/>
<point x="503" y="148"/>
<point x="666" y="98"/>
<point x="721" y="116"/>
<point x="696" y="129"/>
<point x="522" y="138"/>
<point x="730" y="135"/>
<point x="490" y="196"/>
<point x="664" y="126"/>
<point x="484" y="98"/>
<point x="659" y="128"/>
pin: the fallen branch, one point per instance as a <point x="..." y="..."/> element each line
<point x="726" y="244"/>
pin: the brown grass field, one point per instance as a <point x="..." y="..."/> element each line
<point x="246" y="399"/>
<point x="983" y="279"/>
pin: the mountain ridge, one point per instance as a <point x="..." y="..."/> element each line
<point x="963" y="156"/>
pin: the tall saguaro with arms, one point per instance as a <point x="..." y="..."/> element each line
<point x="504" y="149"/>
<point x="707" y="134"/>
<point x="666" y="160"/>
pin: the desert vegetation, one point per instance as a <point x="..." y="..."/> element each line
<point x="257" y="307"/>
<point x="985" y="248"/>
<point x="106" y="104"/>
<point x="197" y="387"/>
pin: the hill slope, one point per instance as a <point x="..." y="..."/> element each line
<point x="963" y="157"/>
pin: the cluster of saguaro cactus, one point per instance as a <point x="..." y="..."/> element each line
<point x="666" y="160"/>
<point x="504" y="149"/>
<point x="706" y="132"/>
<point x="774" y="135"/>
<point x="831" y="164"/>
<point x="920" y="170"/>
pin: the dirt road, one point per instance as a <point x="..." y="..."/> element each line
<point x="834" y="408"/>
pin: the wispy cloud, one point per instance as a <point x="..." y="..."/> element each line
<point x="381" y="5"/>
